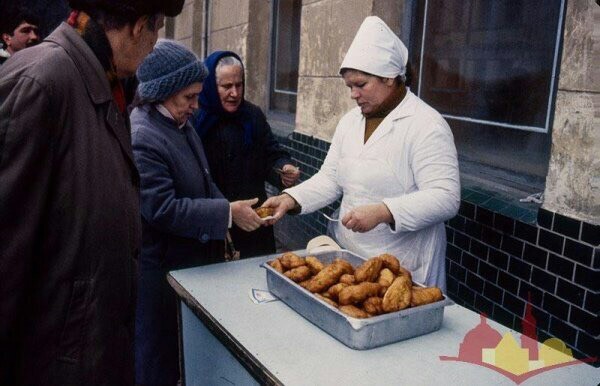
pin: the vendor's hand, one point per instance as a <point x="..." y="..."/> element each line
<point x="289" y="175"/>
<point x="364" y="218"/>
<point x="244" y="216"/>
<point x="281" y="205"/>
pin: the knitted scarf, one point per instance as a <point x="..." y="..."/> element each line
<point x="93" y="34"/>
<point x="211" y="111"/>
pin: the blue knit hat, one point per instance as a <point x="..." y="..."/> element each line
<point x="169" y="68"/>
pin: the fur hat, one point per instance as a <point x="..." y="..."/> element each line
<point x="169" y="68"/>
<point x="134" y="8"/>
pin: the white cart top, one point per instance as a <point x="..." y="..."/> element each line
<point x="278" y="345"/>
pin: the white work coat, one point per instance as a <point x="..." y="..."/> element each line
<point x="410" y="164"/>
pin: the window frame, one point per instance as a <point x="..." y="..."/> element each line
<point x="286" y="117"/>
<point x="553" y="81"/>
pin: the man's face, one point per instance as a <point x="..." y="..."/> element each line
<point x="140" y="42"/>
<point x="25" y="35"/>
<point x="230" y="84"/>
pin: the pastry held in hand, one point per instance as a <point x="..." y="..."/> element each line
<point x="264" y="212"/>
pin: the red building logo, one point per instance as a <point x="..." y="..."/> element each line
<point x="486" y="347"/>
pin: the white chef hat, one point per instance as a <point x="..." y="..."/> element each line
<point x="376" y="50"/>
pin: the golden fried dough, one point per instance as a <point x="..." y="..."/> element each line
<point x="276" y="264"/>
<point x="346" y="266"/>
<point x="314" y="264"/>
<point x="348" y="279"/>
<point x="264" y="212"/>
<point x="386" y="277"/>
<point x="304" y="284"/>
<point x="390" y="262"/>
<point x="405" y="272"/>
<point x="298" y="274"/>
<point x="421" y="296"/>
<point x="354" y="311"/>
<point x="334" y="291"/>
<point x="398" y="296"/>
<point x="291" y="260"/>
<point x="369" y="270"/>
<point x="327" y="277"/>
<point x="326" y="300"/>
<point x="358" y="293"/>
<point x="373" y="305"/>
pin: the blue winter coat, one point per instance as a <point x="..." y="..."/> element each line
<point x="184" y="223"/>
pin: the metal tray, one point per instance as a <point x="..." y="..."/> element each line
<point x="360" y="334"/>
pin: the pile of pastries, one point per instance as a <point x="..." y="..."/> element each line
<point x="380" y="285"/>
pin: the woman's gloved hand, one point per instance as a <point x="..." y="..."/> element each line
<point x="366" y="217"/>
<point x="244" y="216"/>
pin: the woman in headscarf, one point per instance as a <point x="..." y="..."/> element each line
<point x="184" y="216"/>
<point x="392" y="160"/>
<point x="240" y="147"/>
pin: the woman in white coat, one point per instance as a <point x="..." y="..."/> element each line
<point x="392" y="160"/>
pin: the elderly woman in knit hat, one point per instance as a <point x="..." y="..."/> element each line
<point x="392" y="160"/>
<point x="185" y="217"/>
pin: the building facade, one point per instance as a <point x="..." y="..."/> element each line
<point x="515" y="81"/>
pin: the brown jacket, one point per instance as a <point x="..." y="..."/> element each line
<point x="69" y="220"/>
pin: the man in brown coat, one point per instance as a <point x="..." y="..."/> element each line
<point x="69" y="206"/>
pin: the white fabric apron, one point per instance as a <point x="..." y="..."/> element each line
<point x="416" y="250"/>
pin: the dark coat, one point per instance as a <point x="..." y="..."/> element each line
<point x="69" y="220"/>
<point x="241" y="170"/>
<point x="185" y="220"/>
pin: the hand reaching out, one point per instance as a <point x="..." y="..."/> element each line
<point x="281" y="205"/>
<point x="244" y="216"/>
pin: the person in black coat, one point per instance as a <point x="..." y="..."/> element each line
<point x="184" y="215"/>
<point x="240" y="147"/>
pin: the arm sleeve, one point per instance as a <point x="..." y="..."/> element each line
<point x="435" y="168"/>
<point x="321" y="189"/>
<point x="26" y="162"/>
<point x="196" y="218"/>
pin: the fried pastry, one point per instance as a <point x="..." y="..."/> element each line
<point x="327" y="300"/>
<point x="314" y="264"/>
<point x="334" y="291"/>
<point x="398" y="296"/>
<point x="290" y="260"/>
<point x="373" y="305"/>
<point x="348" y="279"/>
<point x="263" y="212"/>
<point x="327" y="277"/>
<point x="421" y="296"/>
<point x="358" y="293"/>
<point x="369" y="270"/>
<point x="390" y="262"/>
<point x="298" y="274"/>
<point x="276" y="264"/>
<point x="354" y="312"/>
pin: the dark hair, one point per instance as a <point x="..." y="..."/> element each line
<point x="406" y="79"/>
<point x="115" y="14"/>
<point x="14" y="16"/>
<point x="111" y="21"/>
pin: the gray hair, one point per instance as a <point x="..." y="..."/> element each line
<point x="228" y="61"/>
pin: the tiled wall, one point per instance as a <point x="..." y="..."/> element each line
<point x="496" y="262"/>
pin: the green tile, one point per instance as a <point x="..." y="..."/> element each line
<point x="530" y="217"/>
<point x="513" y="211"/>
<point x="496" y="205"/>
<point x="478" y="198"/>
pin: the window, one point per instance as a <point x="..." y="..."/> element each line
<point x="490" y="68"/>
<point x="285" y="55"/>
